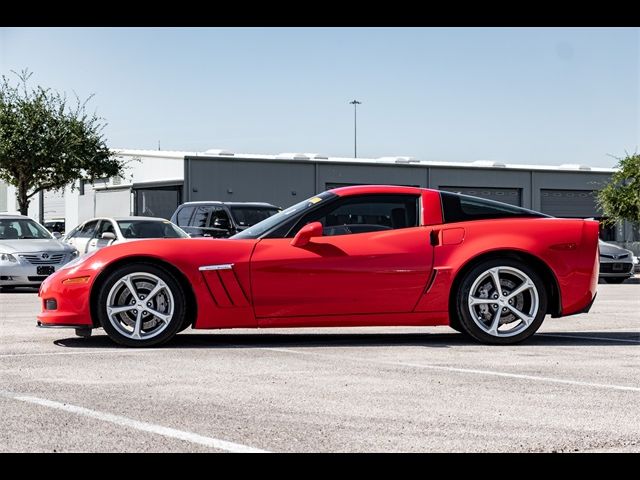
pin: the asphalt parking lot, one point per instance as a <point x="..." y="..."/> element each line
<point x="574" y="387"/>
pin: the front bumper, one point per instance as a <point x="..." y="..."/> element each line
<point x="614" y="269"/>
<point x="20" y="275"/>
<point x="72" y="302"/>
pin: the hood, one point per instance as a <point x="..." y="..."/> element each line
<point x="37" y="245"/>
<point x="610" y="249"/>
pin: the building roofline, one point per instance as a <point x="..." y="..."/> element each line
<point x="402" y="161"/>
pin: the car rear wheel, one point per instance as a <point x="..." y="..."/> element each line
<point x="501" y="302"/>
<point x="614" y="279"/>
<point x="141" y="305"/>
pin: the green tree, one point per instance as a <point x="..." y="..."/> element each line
<point x="620" y="198"/>
<point x="46" y="143"/>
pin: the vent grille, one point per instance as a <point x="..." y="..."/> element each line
<point x="51" y="258"/>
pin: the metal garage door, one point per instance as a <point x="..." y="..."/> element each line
<point x="569" y="203"/>
<point x="512" y="196"/>
<point x="113" y="203"/>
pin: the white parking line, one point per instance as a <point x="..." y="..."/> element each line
<point x="492" y="373"/>
<point x="586" y="337"/>
<point x="136" y="424"/>
<point x="81" y="352"/>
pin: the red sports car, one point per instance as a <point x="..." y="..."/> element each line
<point x="352" y="256"/>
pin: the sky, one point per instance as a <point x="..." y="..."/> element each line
<point x="518" y="95"/>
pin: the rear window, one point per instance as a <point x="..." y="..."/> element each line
<point x="249" y="216"/>
<point x="463" y="208"/>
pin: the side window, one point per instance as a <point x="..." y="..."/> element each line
<point x="87" y="230"/>
<point x="199" y="219"/>
<point x="219" y="219"/>
<point x="184" y="214"/>
<point x="106" y="226"/>
<point x="363" y="214"/>
<point x="72" y="233"/>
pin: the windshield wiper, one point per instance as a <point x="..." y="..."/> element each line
<point x="28" y="238"/>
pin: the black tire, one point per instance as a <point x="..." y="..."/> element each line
<point x="454" y="322"/>
<point x="176" y="292"/>
<point x="468" y="323"/>
<point x="615" y="280"/>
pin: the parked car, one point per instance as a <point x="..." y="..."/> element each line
<point x="220" y="219"/>
<point x="101" y="232"/>
<point x="29" y="252"/>
<point x="616" y="263"/>
<point x="55" y="226"/>
<point x="351" y="256"/>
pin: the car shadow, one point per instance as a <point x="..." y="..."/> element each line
<point x="21" y="290"/>
<point x="303" y="340"/>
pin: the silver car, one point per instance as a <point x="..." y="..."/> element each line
<point x="101" y="232"/>
<point x="616" y="263"/>
<point x="28" y="252"/>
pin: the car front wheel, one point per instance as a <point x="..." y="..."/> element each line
<point x="501" y="302"/>
<point x="141" y="305"/>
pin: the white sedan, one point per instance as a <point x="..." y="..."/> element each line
<point x="101" y="232"/>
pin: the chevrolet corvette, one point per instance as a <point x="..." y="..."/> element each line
<point x="351" y="256"/>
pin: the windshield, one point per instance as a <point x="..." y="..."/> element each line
<point x="22" y="228"/>
<point x="283" y="216"/>
<point x="246" y="216"/>
<point x="150" y="229"/>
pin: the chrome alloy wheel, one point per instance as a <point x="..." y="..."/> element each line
<point x="140" y="305"/>
<point x="503" y="301"/>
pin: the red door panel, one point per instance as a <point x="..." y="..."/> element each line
<point x="377" y="272"/>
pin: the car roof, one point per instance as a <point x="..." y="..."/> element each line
<point x="231" y="204"/>
<point x="127" y="219"/>
<point x="13" y="216"/>
<point x="373" y="189"/>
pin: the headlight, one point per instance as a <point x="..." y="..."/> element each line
<point x="7" y="257"/>
<point x="74" y="253"/>
<point x="78" y="260"/>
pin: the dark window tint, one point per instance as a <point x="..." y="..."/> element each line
<point x="363" y="214"/>
<point x="87" y="230"/>
<point x="149" y="229"/>
<point x="184" y="214"/>
<point x="248" y="216"/>
<point x="462" y="208"/>
<point x="219" y="219"/>
<point x="199" y="220"/>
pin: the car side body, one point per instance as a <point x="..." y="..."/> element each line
<point x="407" y="274"/>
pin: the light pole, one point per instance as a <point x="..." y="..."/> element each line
<point x="355" y="104"/>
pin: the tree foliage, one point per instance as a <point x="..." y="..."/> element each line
<point x="620" y="198"/>
<point x="47" y="143"/>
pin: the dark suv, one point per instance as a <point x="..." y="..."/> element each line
<point x="220" y="219"/>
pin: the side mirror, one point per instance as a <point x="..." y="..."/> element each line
<point x="57" y="235"/>
<point x="306" y="233"/>
<point x="108" y="236"/>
